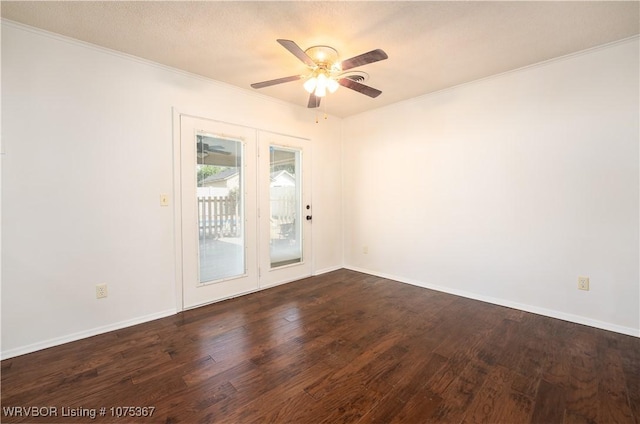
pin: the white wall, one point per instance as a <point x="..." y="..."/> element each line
<point x="508" y="189"/>
<point x="90" y="131"/>
<point x="505" y="189"/>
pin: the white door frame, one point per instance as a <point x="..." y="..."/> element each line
<point x="177" y="201"/>
<point x="177" y="206"/>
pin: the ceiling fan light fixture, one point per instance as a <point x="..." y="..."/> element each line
<point x="319" y="83"/>
<point x="310" y="84"/>
<point x="332" y="85"/>
<point x="321" y="88"/>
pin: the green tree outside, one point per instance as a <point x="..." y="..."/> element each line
<point x="205" y="171"/>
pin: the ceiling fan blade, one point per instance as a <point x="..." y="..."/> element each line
<point x="314" y="101"/>
<point x="297" y="52"/>
<point x="369" y="57"/>
<point x="275" y="81"/>
<point x="360" y="88"/>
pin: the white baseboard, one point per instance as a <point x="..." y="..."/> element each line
<point x="496" y="301"/>
<point x="23" y="350"/>
<point x="83" y="334"/>
<point x="629" y="331"/>
<point x="327" y="270"/>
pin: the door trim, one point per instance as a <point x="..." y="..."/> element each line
<point x="177" y="207"/>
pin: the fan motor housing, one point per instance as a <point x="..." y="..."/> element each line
<point x="324" y="56"/>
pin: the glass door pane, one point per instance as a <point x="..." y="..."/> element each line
<point x="285" y="243"/>
<point x="220" y="206"/>
<point x="218" y="210"/>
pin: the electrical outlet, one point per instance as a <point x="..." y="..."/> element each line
<point x="101" y="291"/>
<point x="583" y="283"/>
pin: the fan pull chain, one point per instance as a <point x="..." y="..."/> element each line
<point x="325" y="108"/>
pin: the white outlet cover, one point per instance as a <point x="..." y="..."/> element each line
<point x="101" y="291"/>
<point x="583" y="283"/>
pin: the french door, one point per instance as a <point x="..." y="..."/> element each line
<point x="245" y="210"/>
<point x="219" y="226"/>
<point x="285" y="209"/>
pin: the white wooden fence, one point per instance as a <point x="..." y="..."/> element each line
<point x="218" y="217"/>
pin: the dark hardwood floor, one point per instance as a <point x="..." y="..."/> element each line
<point x="342" y="347"/>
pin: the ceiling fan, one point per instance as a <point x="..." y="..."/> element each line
<point x="205" y="149"/>
<point x="327" y="73"/>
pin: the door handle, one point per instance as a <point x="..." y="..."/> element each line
<point x="308" y="217"/>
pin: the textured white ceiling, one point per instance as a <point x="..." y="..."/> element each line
<point x="431" y="45"/>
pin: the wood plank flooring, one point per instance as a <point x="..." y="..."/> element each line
<point x="343" y="347"/>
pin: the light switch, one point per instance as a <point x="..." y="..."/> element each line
<point x="164" y="200"/>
